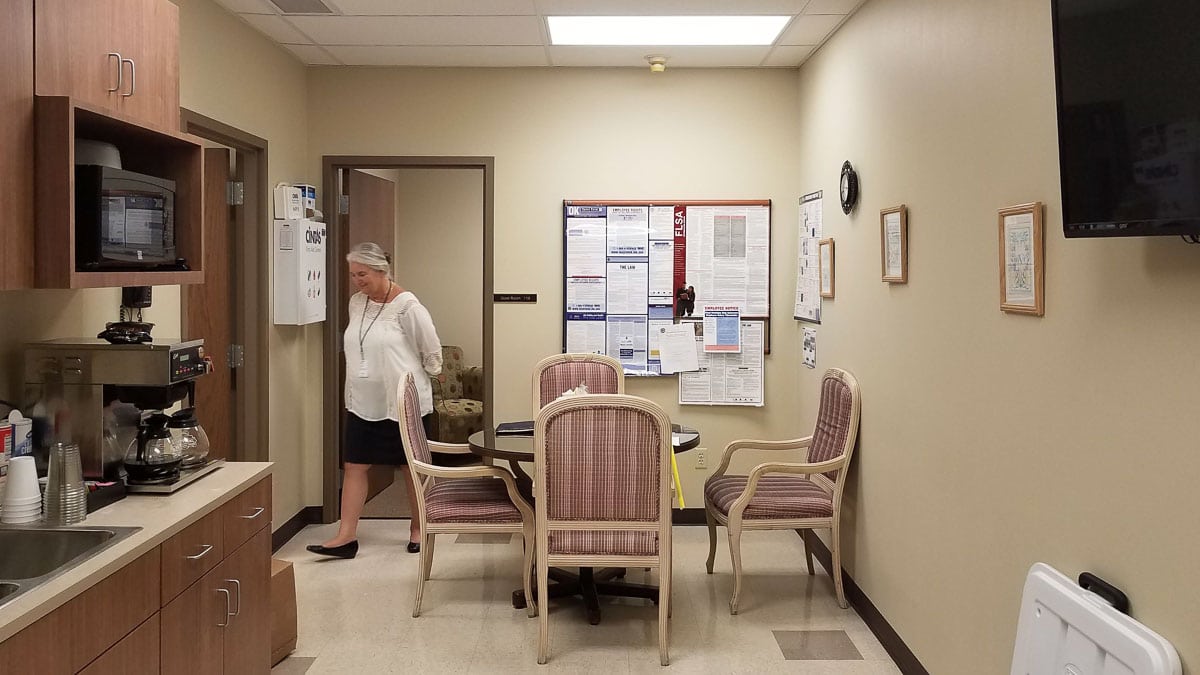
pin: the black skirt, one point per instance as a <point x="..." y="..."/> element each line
<point x="375" y="442"/>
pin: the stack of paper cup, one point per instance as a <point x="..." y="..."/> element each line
<point x="22" y="497"/>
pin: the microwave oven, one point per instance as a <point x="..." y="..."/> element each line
<point x="124" y="220"/>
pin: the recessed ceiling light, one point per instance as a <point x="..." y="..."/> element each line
<point x="665" y="30"/>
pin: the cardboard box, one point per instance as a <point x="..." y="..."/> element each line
<point x="283" y="610"/>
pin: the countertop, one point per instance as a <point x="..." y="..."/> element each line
<point x="159" y="516"/>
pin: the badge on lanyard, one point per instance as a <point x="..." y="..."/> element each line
<point x="362" y="368"/>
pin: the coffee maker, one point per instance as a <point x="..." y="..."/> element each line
<point x="96" y="394"/>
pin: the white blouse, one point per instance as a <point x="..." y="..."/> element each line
<point x="382" y="343"/>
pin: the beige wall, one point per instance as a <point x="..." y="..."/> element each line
<point x="235" y="75"/>
<point x="439" y="251"/>
<point x="991" y="441"/>
<point x="588" y="134"/>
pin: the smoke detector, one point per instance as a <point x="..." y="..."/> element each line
<point x="657" y="63"/>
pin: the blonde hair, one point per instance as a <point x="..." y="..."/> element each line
<point x="371" y="255"/>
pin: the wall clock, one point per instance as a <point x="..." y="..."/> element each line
<point x="848" y="188"/>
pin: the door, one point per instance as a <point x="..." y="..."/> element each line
<point x="371" y="216"/>
<point x="209" y="311"/>
<point x="248" y="636"/>
<point x="192" y="637"/>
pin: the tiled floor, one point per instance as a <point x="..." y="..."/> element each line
<point x="355" y="615"/>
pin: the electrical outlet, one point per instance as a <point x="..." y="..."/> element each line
<point x="701" y="458"/>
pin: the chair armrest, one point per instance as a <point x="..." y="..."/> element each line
<point x="734" y="446"/>
<point x="739" y="505"/>
<point x="450" y="448"/>
<point x="473" y="383"/>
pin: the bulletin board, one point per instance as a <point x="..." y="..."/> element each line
<point x="632" y="266"/>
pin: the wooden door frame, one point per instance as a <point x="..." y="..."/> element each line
<point x="251" y="267"/>
<point x="331" y="414"/>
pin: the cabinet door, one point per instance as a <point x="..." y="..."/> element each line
<point x="136" y="654"/>
<point x="73" y="41"/>
<point x="16" y="144"/>
<point x="151" y="29"/>
<point x="192" y="634"/>
<point x="248" y="636"/>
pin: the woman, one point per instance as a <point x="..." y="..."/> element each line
<point x="390" y="333"/>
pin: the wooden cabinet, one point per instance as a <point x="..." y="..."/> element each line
<point x="187" y="556"/>
<point x="247" y="573"/>
<point x="192" y="635"/>
<point x="118" y="55"/>
<point x="246" y="514"/>
<point x="16" y="144"/>
<point x="135" y="654"/>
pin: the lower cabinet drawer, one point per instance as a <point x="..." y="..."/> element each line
<point x="137" y="654"/>
<point x="246" y="514"/>
<point x="191" y="553"/>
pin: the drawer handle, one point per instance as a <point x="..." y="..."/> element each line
<point x="226" y="592"/>
<point x="238" y="586"/>
<point x="120" y="71"/>
<point x="257" y="512"/>
<point x="201" y="554"/>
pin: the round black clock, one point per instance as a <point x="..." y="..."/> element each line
<point x="848" y="188"/>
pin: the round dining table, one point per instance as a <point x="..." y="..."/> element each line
<point x="589" y="583"/>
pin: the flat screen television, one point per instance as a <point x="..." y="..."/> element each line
<point x="1128" y="75"/>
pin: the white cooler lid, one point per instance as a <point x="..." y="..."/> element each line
<point x="1064" y="629"/>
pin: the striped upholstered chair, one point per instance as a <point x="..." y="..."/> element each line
<point x="480" y="499"/>
<point x="555" y="374"/>
<point x="790" y="495"/>
<point x="602" y="487"/>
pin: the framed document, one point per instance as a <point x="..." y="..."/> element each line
<point x="893" y="243"/>
<point x="826" y="255"/>
<point x="1022" y="259"/>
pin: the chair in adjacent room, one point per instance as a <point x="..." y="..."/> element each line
<point x="802" y="495"/>
<point x="556" y="374"/>
<point x="457" y="399"/>
<point x="603" y="494"/>
<point x="455" y="500"/>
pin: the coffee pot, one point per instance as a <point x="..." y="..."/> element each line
<point x="153" y="456"/>
<point x="189" y="437"/>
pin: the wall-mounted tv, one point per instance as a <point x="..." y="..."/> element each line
<point x="1128" y="74"/>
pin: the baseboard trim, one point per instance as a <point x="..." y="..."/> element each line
<point x="687" y="517"/>
<point x="905" y="660"/>
<point x="309" y="515"/>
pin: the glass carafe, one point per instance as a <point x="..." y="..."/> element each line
<point x="153" y="457"/>
<point x="189" y="437"/>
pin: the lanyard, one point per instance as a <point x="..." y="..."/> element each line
<point x="361" y="333"/>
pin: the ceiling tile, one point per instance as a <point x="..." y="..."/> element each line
<point x="832" y="6"/>
<point x="668" y="7"/>
<point x="277" y="28"/>
<point x="486" y="57"/>
<point x="788" y="56"/>
<point x="677" y="57"/>
<point x="810" y="29"/>
<point x="248" y="6"/>
<point x="421" y="30"/>
<point x="313" y="55"/>
<point x="434" y="7"/>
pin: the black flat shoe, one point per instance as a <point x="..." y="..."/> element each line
<point x="347" y="550"/>
<point x="414" y="547"/>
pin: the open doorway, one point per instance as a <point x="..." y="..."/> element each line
<point x="227" y="310"/>
<point x="441" y="241"/>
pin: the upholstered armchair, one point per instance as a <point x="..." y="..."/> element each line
<point x="457" y="399"/>
<point x="786" y="495"/>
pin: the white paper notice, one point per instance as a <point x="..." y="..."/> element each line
<point x="585" y="294"/>
<point x="810" y="347"/>
<point x="728" y="256"/>
<point x="627" y="342"/>
<point x="628" y="230"/>
<point x="662" y="222"/>
<point x="722" y="328"/>
<point x="585" y="247"/>
<point x="677" y="348"/>
<point x="662" y="270"/>
<point x="808" y="288"/>
<point x="585" y="337"/>
<point x="727" y="379"/>
<point x="627" y="288"/>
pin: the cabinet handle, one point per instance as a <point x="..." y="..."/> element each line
<point x="226" y="592"/>
<point x="132" y="77"/>
<point x="120" y="71"/>
<point x="201" y="554"/>
<point x="238" y="586"/>
<point x="257" y="512"/>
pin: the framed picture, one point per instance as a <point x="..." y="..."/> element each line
<point x="1022" y="259"/>
<point x="825" y="246"/>
<point x="893" y="244"/>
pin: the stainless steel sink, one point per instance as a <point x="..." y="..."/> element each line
<point x="31" y="555"/>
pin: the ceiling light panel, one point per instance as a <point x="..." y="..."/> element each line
<point x="665" y="30"/>
<point x="669" y="7"/>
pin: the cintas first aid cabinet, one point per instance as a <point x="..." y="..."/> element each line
<point x="299" y="278"/>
